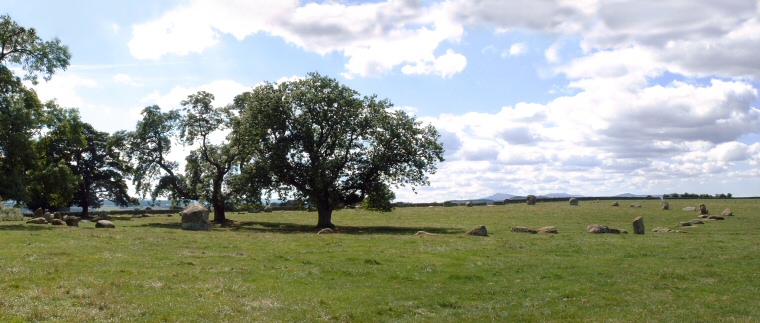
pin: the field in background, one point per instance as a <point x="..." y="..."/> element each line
<point x="273" y="267"/>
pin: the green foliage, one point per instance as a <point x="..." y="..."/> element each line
<point x="148" y="147"/>
<point x="320" y="139"/>
<point x="21" y="46"/>
<point x="94" y="158"/>
<point x="20" y="117"/>
<point x="380" y="200"/>
<point x="10" y="214"/>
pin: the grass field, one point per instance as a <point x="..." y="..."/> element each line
<point x="272" y="267"/>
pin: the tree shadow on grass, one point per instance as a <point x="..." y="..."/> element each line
<point x="27" y="227"/>
<point x="172" y="225"/>
<point x="282" y="227"/>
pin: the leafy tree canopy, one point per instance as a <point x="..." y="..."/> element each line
<point x="21" y="46"/>
<point x="319" y="139"/>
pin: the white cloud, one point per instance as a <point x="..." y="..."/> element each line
<point x="224" y="92"/>
<point x="64" y="89"/>
<point x="518" y="49"/>
<point x="125" y="79"/>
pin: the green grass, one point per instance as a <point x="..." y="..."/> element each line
<point x="273" y="267"/>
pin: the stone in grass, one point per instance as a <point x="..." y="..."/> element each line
<point x="703" y="209"/>
<point x="615" y="204"/>
<point x="478" y="231"/>
<point x="703" y="216"/>
<point x="638" y="225"/>
<point x="598" y="228"/>
<point x="696" y="221"/>
<point x="530" y="200"/>
<point x="195" y="218"/>
<point x="72" y="221"/>
<point x="636" y="205"/>
<point x="573" y="201"/>
<point x="57" y="222"/>
<point x="523" y="229"/>
<point x="38" y="220"/>
<point x="664" y="205"/>
<point x="424" y="233"/>
<point x="547" y="230"/>
<point x="715" y="217"/>
<point x="105" y="224"/>
<point x="326" y="231"/>
<point x="684" y="224"/>
<point x="662" y="229"/>
<point x="727" y="212"/>
<point x="689" y="209"/>
<point x="39" y="212"/>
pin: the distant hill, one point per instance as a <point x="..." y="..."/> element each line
<point x="498" y="197"/>
<point x="560" y="195"/>
<point x="629" y="195"/>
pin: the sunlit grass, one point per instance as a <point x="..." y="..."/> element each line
<point x="274" y="267"/>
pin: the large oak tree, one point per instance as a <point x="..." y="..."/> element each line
<point x="317" y="139"/>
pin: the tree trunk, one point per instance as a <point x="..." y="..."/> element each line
<point x="325" y="215"/>
<point x="217" y="202"/>
<point x="86" y="210"/>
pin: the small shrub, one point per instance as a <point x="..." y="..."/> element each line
<point x="10" y="214"/>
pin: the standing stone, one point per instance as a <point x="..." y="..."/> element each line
<point x="530" y="200"/>
<point x="664" y="205"/>
<point x="105" y="224"/>
<point x="573" y="201"/>
<point x="267" y="209"/>
<point x="48" y="216"/>
<point x="39" y="212"/>
<point x="57" y="215"/>
<point x="195" y="218"/>
<point x="468" y="204"/>
<point x="703" y="209"/>
<point x="478" y="231"/>
<point x="638" y="225"/>
<point x="727" y="212"/>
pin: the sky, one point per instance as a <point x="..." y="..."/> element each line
<point x="586" y="97"/>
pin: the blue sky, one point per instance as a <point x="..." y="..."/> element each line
<point x="586" y="97"/>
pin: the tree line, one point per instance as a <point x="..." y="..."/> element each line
<point x="313" y="140"/>
<point x="688" y="195"/>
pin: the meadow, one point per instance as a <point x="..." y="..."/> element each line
<point x="273" y="267"/>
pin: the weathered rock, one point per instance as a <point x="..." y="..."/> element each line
<point x="638" y="225"/>
<point x="326" y="231"/>
<point x="468" y="204"/>
<point x="636" y="205"/>
<point x="105" y="224"/>
<point x="661" y="229"/>
<point x="57" y="215"/>
<point x="424" y="233"/>
<point x="548" y="230"/>
<point x="703" y="209"/>
<point x="664" y="205"/>
<point x="72" y="221"/>
<point x="703" y="216"/>
<point x="615" y="204"/>
<point x="39" y="212"/>
<point x="523" y="229"/>
<point x="38" y="220"/>
<point x="696" y="221"/>
<point x="573" y="201"/>
<point x="478" y="231"/>
<point x="57" y="222"/>
<point x="530" y="200"/>
<point x="727" y="212"/>
<point x="195" y="218"/>
<point x="48" y="216"/>
<point x="684" y="224"/>
<point x="598" y="228"/>
<point x="715" y="217"/>
<point x="689" y="209"/>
